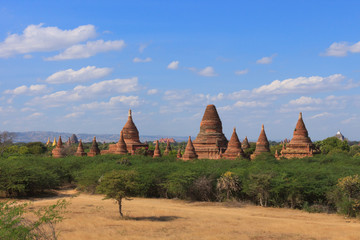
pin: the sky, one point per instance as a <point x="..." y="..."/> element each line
<point x="78" y="66"/>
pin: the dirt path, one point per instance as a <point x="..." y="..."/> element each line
<point x="90" y="217"/>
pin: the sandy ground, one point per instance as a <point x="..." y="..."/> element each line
<point x="90" y="217"/>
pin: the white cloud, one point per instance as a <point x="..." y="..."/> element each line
<point x="35" y="115"/>
<point x="139" y="60"/>
<point x="207" y="72"/>
<point x="25" y="90"/>
<point x="112" y="103"/>
<point x="82" y="75"/>
<point x="347" y="121"/>
<point x="88" y="50"/>
<point x="251" y="104"/>
<point x="87" y="92"/>
<point x="173" y="65"/>
<point x="303" y="85"/>
<point x="306" y="101"/>
<point x="74" y="115"/>
<point x="320" y="115"/>
<point x="152" y="91"/>
<point x="266" y="60"/>
<point x="36" y="38"/>
<point x="142" y="47"/>
<point x="341" y="49"/>
<point x="241" y="72"/>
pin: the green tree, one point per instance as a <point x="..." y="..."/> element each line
<point x="41" y="226"/>
<point x="332" y="144"/>
<point x="260" y="186"/>
<point x="117" y="185"/>
<point x="6" y="139"/>
<point x="348" y="195"/>
<point x="229" y="183"/>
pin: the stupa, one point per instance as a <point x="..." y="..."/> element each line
<point x="74" y="139"/>
<point x="300" y="145"/>
<point x="262" y="144"/>
<point x="58" y="151"/>
<point x="210" y="142"/>
<point x="48" y="143"/>
<point x="118" y="148"/>
<point x="94" y="150"/>
<point x="189" y="151"/>
<point x="157" y="152"/>
<point x="234" y="149"/>
<point x="245" y="143"/>
<point x="131" y="135"/>
<point x="179" y="155"/>
<point x="168" y="148"/>
<point x="54" y="142"/>
<point x="80" y="150"/>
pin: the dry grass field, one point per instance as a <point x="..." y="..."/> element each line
<point x="90" y="217"/>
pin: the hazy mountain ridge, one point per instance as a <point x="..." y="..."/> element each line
<point x="42" y="136"/>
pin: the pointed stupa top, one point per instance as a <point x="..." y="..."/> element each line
<point x="245" y="143"/>
<point x="157" y="152"/>
<point x="234" y="146"/>
<point x="179" y="155"/>
<point x="300" y="133"/>
<point x="80" y="147"/>
<point x="48" y="142"/>
<point x="54" y="142"/>
<point x="80" y="150"/>
<point x="189" y="151"/>
<point x="121" y="145"/>
<point x="262" y="144"/>
<point x="94" y="150"/>
<point x="168" y="147"/>
<point x="211" y="121"/>
<point x="211" y="134"/>
<point x="131" y="133"/>
<point x="59" y="143"/>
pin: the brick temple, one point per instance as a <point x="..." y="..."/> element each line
<point x="262" y="144"/>
<point x="300" y="145"/>
<point x="234" y="149"/>
<point x="210" y="143"/>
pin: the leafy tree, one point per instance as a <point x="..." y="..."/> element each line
<point x="260" y="186"/>
<point x="347" y="195"/>
<point x="13" y="224"/>
<point x="6" y="139"/>
<point x="332" y="144"/>
<point x="36" y="147"/>
<point x="229" y="183"/>
<point x="118" y="184"/>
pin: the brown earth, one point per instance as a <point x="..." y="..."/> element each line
<point x="90" y="217"/>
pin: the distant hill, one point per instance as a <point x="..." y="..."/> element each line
<point x="42" y="136"/>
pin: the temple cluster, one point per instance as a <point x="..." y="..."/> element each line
<point x="210" y="143"/>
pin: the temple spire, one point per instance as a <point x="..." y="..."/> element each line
<point x="189" y="151"/>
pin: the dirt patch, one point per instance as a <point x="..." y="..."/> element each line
<point x="90" y="217"/>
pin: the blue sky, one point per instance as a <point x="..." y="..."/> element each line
<point x="76" y="66"/>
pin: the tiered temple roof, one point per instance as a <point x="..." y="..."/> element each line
<point x="245" y="143"/>
<point x="300" y="145"/>
<point x="189" y="151"/>
<point x="168" y="148"/>
<point x="262" y="144"/>
<point x="131" y="135"/>
<point x="234" y="149"/>
<point x="157" y="152"/>
<point x="179" y="155"/>
<point x="94" y="150"/>
<point x="80" y="150"/>
<point x="58" y="151"/>
<point x="210" y="142"/>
